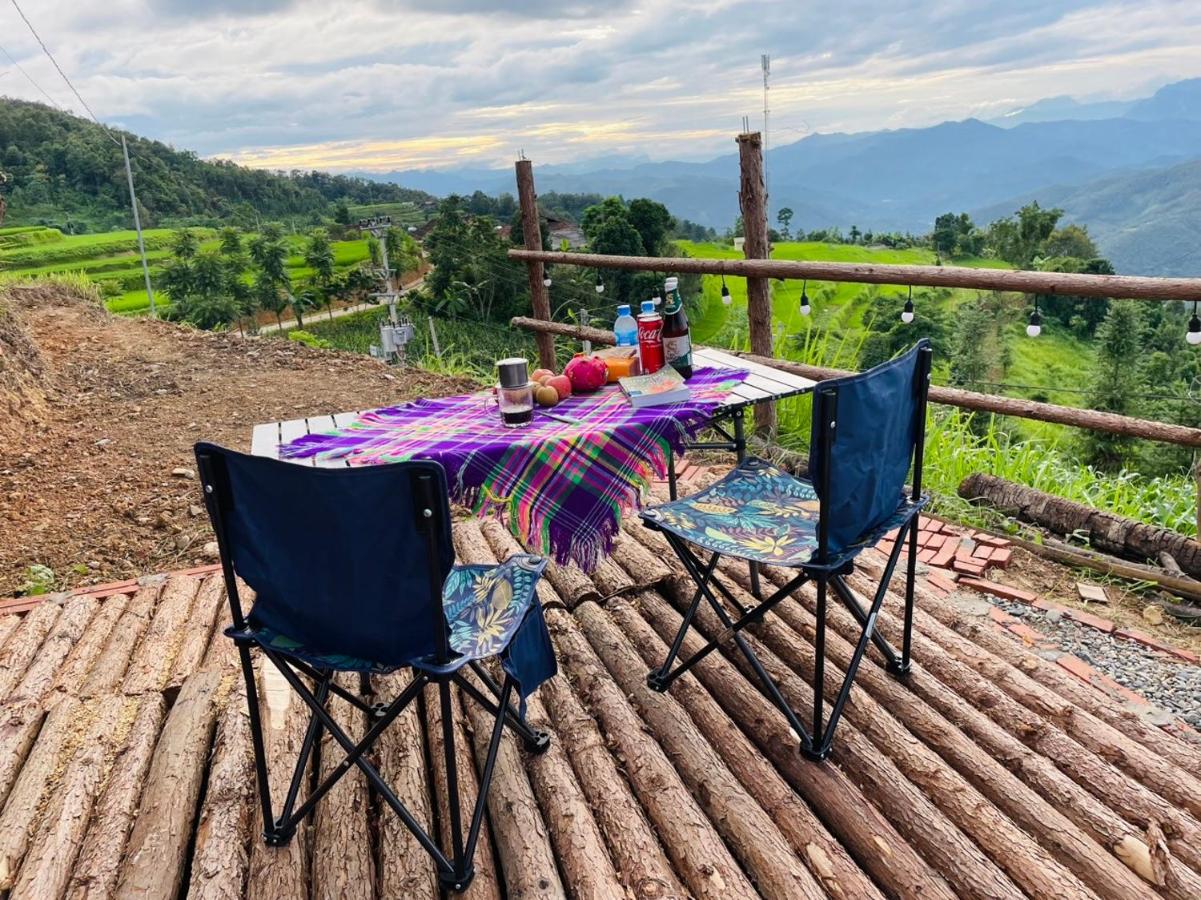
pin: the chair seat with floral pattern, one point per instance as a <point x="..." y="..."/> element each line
<point x="485" y="607"/>
<point x="760" y="513"/>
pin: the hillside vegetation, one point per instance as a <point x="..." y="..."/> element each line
<point x="68" y="172"/>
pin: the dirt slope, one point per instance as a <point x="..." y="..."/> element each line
<point x="96" y="412"/>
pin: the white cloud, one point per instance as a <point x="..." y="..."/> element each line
<point x="386" y="84"/>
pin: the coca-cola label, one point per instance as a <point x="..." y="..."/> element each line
<point x="650" y="344"/>
<point x="678" y="350"/>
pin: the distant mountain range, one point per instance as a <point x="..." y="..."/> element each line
<point x="1129" y="170"/>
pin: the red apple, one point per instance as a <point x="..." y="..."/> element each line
<point x="562" y="384"/>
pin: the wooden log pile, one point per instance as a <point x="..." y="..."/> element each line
<point x="1106" y="531"/>
<point x="988" y="772"/>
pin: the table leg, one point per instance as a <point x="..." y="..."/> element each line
<point x="671" y="473"/>
<point x="740" y="450"/>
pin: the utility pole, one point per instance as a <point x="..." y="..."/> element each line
<point x="396" y="333"/>
<point x="753" y="204"/>
<point x="137" y="224"/>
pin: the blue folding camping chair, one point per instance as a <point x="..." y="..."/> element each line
<point x="353" y="570"/>
<point x="868" y="430"/>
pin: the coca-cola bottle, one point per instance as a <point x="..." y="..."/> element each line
<point x="650" y="338"/>
<point x="677" y="342"/>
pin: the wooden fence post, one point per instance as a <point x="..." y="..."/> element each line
<point x="752" y="201"/>
<point x="532" y="232"/>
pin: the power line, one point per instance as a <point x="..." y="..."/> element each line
<point x="54" y="62"/>
<point x="29" y="77"/>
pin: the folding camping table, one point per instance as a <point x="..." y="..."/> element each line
<point x="762" y="384"/>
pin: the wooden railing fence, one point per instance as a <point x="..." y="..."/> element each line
<point x="758" y="269"/>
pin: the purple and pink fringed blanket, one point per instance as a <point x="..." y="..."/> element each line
<point x="561" y="488"/>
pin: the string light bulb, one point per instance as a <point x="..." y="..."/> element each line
<point x="907" y="312"/>
<point x="805" y="307"/>
<point x="600" y="285"/>
<point x="546" y="276"/>
<point x="726" y="299"/>
<point x="1035" y="328"/>
<point x="1194" y="328"/>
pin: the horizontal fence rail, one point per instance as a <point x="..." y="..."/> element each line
<point x="1094" y="420"/>
<point x="1123" y="287"/>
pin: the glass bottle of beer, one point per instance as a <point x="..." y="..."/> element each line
<point x="677" y="342"/>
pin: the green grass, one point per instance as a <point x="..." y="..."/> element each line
<point x="468" y="348"/>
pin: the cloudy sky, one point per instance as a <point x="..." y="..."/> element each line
<point x="394" y="84"/>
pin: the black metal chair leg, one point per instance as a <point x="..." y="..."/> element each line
<point x="256" y="739"/>
<point x="535" y="740"/>
<point x="910" y="577"/>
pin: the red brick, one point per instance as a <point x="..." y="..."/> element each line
<point x="1026" y="633"/>
<point x="1047" y="605"/>
<point x="892" y="535"/>
<point x="992" y="540"/>
<point x="1154" y="643"/>
<point x="928" y="524"/>
<point x="925" y="555"/>
<point x="1092" y="621"/>
<point x="967" y="568"/>
<point x="935" y="541"/>
<point x="1078" y="667"/>
<point x="1001" y="617"/>
<point x="944" y="581"/>
<point x="1005" y="591"/>
<point x="1001" y="557"/>
<point x="944" y="555"/>
<point x="982" y="552"/>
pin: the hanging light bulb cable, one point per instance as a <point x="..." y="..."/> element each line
<point x="726" y="299"/>
<point x="805" y="307"/>
<point x="600" y="284"/>
<point x="1194" y="328"/>
<point x="907" y="312"/>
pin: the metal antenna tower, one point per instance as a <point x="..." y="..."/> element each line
<point x="765" y="64"/>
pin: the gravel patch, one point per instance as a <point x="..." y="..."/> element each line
<point x="1168" y="683"/>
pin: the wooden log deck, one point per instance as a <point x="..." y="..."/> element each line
<point x="126" y="767"/>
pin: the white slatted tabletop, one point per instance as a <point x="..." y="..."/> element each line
<point x="762" y="383"/>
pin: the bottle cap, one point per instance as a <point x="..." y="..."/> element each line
<point x="648" y="306"/>
<point x="671" y="283"/>
<point x="624" y="309"/>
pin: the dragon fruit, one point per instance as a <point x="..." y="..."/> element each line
<point x="586" y="374"/>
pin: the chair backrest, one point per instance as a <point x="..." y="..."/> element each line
<point x="867" y="430"/>
<point x="345" y="561"/>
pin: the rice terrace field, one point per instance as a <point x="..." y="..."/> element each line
<point x="111" y="261"/>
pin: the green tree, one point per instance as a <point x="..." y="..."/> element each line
<point x="970" y="357"/>
<point x="1118" y="375"/>
<point x="319" y="256"/>
<point x="185" y="244"/>
<point x="784" y="218"/>
<point x="403" y="253"/>
<point x="1019" y="240"/>
<point x="609" y="230"/>
<point x="1071" y="240"/>
<point x="653" y="223"/>
<point x="269" y="296"/>
<point x="342" y="214"/>
<point x="854" y="234"/>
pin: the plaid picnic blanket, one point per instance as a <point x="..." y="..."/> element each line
<point x="560" y="488"/>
